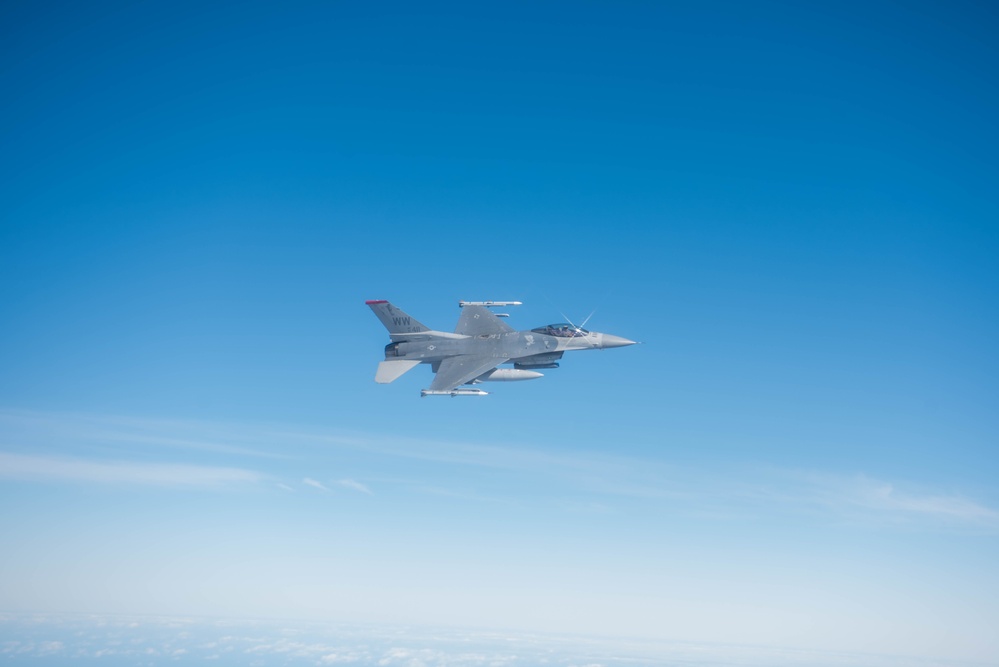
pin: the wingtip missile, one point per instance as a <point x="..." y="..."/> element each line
<point x="489" y="304"/>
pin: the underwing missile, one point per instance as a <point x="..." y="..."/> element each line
<point x="457" y="391"/>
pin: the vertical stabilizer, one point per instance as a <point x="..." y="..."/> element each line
<point x="395" y="320"/>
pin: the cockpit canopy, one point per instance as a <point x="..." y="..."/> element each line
<point x="561" y="330"/>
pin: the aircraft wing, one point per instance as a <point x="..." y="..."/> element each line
<point x="456" y="371"/>
<point x="479" y="320"/>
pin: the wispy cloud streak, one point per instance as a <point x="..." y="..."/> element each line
<point x="52" y="468"/>
<point x="353" y="486"/>
<point x="308" y="481"/>
<point x="76" y="447"/>
<point x="128" y="434"/>
<point x="862" y="493"/>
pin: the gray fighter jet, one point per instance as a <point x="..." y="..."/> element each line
<point x="479" y="345"/>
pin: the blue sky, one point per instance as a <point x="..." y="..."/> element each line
<point x="793" y="208"/>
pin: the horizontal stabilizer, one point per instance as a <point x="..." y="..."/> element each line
<point x="390" y="371"/>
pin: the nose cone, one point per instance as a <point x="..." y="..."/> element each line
<point x="614" y="341"/>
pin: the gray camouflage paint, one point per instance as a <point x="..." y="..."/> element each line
<point x="480" y="343"/>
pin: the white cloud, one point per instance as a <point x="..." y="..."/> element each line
<point x="308" y="481"/>
<point x="884" y="497"/>
<point x="342" y="658"/>
<point x="58" y="468"/>
<point x="50" y="648"/>
<point x="353" y="486"/>
<point x="412" y="646"/>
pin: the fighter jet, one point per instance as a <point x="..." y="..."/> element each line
<point x="480" y="344"/>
